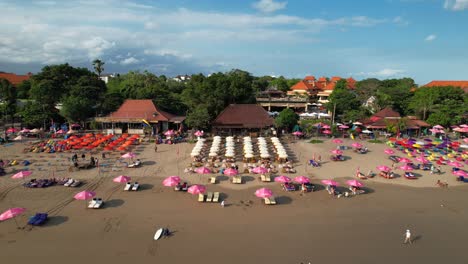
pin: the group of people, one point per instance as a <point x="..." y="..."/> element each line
<point x="93" y="162"/>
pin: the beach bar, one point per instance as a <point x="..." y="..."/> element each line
<point x="242" y="119"/>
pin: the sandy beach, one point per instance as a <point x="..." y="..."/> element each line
<point x="314" y="227"/>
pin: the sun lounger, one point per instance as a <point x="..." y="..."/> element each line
<point x="76" y="183"/>
<point x="267" y="178"/>
<point x="136" y="186"/>
<point x="38" y="219"/>
<point x="270" y="201"/>
<point x="92" y="203"/>
<point x="262" y="178"/>
<point x="410" y="176"/>
<point x="212" y="180"/>
<point x="237" y="179"/>
<point x="98" y="204"/>
<point x="215" y="197"/>
<point x="201" y="197"/>
<point x="209" y="197"/>
<point x="128" y="186"/>
<point x="69" y="182"/>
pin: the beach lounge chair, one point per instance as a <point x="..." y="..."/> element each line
<point x="68" y="183"/>
<point x="270" y="201"/>
<point x="267" y="178"/>
<point x="262" y="178"/>
<point x="215" y="197"/>
<point x="92" y="203"/>
<point x="136" y="186"/>
<point x="75" y="183"/>
<point x="410" y="176"/>
<point x="209" y="197"/>
<point x="212" y="180"/>
<point x="201" y="197"/>
<point x="128" y="186"/>
<point x="98" y="204"/>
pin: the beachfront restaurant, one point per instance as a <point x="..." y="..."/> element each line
<point x="139" y="117"/>
<point x="242" y="119"/>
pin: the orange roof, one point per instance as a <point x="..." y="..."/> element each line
<point x="335" y="78"/>
<point x="461" y="84"/>
<point x="311" y="78"/>
<point x="13" y="78"/>
<point x="330" y="86"/>
<point x="322" y="79"/>
<point x="351" y="83"/>
<point x="302" y="85"/>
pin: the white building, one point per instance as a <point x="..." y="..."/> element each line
<point x="106" y="77"/>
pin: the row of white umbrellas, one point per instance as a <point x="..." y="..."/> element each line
<point x="198" y="147"/>
<point x="279" y="148"/>
<point x="230" y="147"/>
<point x="214" y="150"/>
<point x="262" y="146"/>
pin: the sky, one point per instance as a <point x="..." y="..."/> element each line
<point x="422" y="39"/>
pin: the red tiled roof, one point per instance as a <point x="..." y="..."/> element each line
<point x="13" y="78"/>
<point x="311" y="78"/>
<point x="322" y="79"/>
<point x="243" y="116"/>
<point x="302" y="85"/>
<point x="462" y="84"/>
<point x="386" y="113"/>
<point x="335" y="78"/>
<point x="351" y="83"/>
<point x="141" y="109"/>
<point x="330" y="86"/>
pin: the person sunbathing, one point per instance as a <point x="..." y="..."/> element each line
<point x="441" y="184"/>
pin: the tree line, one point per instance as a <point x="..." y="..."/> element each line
<point x="62" y="93"/>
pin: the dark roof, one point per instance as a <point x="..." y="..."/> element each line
<point x="137" y="110"/>
<point x="243" y="116"/>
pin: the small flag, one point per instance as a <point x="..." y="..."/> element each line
<point x="145" y="122"/>
<point x="352" y="136"/>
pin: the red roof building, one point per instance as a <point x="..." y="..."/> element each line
<point x="321" y="87"/>
<point x="462" y="84"/>
<point x="15" y="79"/>
<point x="243" y="116"/>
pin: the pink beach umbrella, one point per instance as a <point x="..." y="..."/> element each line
<point x="455" y="164"/>
<point x="438" y="127"/>
<point x="21" y="175"/>
<point x="302" y="179"/>
<point x="230" y="172"/>
<point x="282" y="179"/>
<point x="354" y="183"/>
<point x="326" y="126"/>
<point x="337" y="152"/>
<point x="260" y="170"/>
<point x="465" y="140"/>
<point x="389" y="151"/>
<point x="25" y="130"/>
<point x="356" y="145"/>
<point x="422" y="159"/>
<point x="169" y="133"/>
<point x="337" y="141"/>
<point x="171" y="181"/>
<point x="298" y="133"/>
<point x="196" y="189"/>
<point x="460" y="173"/>
<point x="84" y="195"/>
<point x="327" y="132"/>
<point x="383" y="168"/>
<point x="11" y="213"/>
<point x="203" y="170"/>
<point x="404" y="160"/>
<point x="406" y="167"/>
<point x="129" y="155"/>
<point x="330" y="182"/>
<point x="198" y="133"/>
<point x="263" y="193"/>
<point x="344" y="127"/>
<point x="12" y="130"/>
<point x="121" y="179"/>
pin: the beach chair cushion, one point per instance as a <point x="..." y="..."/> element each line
<point x="201" y="197"/>
<point x="92" y="203"/>
<point x="216" y="197"/>
<point x="272" y="200"/>
<point x="128" y="186"/>
<point x="209" y="197"/>
<point x="136" y="186"/>
<point x="213" y="180"/>
<point x="99" y="203"/>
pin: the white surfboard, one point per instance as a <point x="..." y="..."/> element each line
<point x="158" y="233"/>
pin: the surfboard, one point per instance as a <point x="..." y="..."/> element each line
<point x="158" y="233"/>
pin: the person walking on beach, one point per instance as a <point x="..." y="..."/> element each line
<point x="407" y="237"/>
<point x="155" y="147"/>
<point x="222" y="204"/>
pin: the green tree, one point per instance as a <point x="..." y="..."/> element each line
<point x="33" y="114"/>
<point x="286" y="119"/>
<point x="98" y="66"/>
<point x="342" y="99"/>
<point x="280" y="83"/>
<point x="199" y="118"/>
<point x="23" y="89"/>
<point x="8" y="96"/>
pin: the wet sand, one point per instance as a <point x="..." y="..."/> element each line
<point x="302" y="228"/>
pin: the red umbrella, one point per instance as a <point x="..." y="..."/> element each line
<point x="196" y="189"/>
<point x="282" y="179"/>
<point x="263" y="193"/>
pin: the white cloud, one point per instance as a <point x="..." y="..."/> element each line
<point x="430" y="38"/>
<point x="96" y="46"/>
<point x="128" y="61"/>
<point x="400" y="21"/>
<point x="388" y="72"/>
<point x="268" y="6"/>
<point x="151" y="25"/>
<point x="168" y="52"/>
<point x="456" y="5"/>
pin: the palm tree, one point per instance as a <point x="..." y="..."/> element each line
<point x="98" y="66"/>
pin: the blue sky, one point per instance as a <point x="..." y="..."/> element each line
<point x="422" y="39"/>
